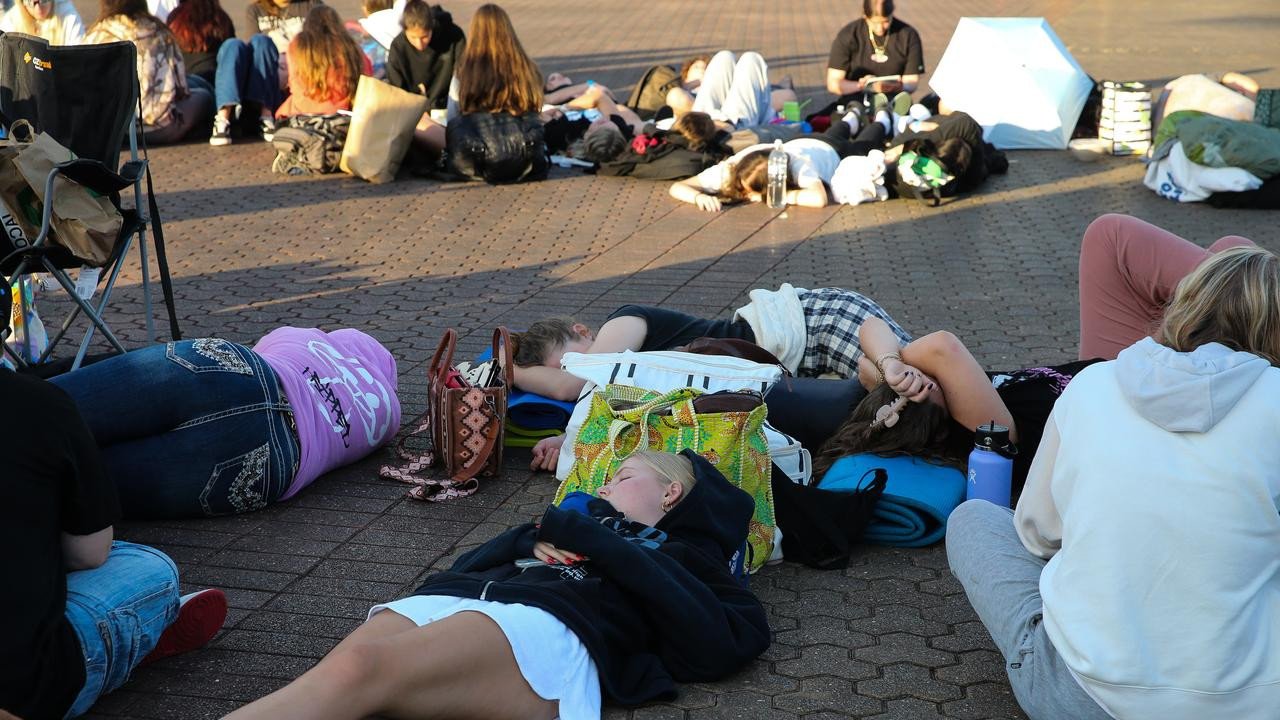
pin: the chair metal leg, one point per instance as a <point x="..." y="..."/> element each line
<point x="62" y="331"/>
<point x="86" y="309"/>
<point x="102" y="306"/>
<point x="146" y="282"/>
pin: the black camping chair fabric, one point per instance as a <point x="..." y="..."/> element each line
<point x="86" y="98"/>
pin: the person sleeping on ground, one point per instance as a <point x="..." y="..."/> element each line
<point x="812" y="160"/>
<point x="949" y="395"/>
<point x="209" y="427"/>
<point x="554" y="618"/>
<point x="811" y="332"/>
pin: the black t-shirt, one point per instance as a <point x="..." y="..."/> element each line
<point x="1029" y="394"/>
<point x="669" y="329"/>
<point x="52" y="482"/>
<point x="960" y="126"/>
<point x="851" y="51"/>
<point x="427" y="72"/>
<point x="623" y="126"/>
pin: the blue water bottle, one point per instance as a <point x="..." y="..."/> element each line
<point x="991" y="465"/>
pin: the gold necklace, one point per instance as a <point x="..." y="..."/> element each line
<point x="878" y="55"/>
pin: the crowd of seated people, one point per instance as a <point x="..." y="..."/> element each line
<point x="300" y="59"/>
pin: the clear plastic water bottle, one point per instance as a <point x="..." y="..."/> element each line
<point x="777" y="193"/>
<point x="991" y="465"/>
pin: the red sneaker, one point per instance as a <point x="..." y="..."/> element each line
<point x="200" y="617"/>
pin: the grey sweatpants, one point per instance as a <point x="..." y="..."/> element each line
<point x="1002" y="581"/>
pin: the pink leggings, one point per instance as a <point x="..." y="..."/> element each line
<point x="1128" y="272"/>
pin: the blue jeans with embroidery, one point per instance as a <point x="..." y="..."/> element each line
<point x="191" y="428"/>
<point x="118" y="611"/>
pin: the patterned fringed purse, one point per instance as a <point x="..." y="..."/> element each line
<point x="464" y="423"/>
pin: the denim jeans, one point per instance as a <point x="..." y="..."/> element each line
<point x="1002" y="581"/>
<point x="197" y="427"/>
<point x="119" y="611"/>
<point x="248" y="71"/>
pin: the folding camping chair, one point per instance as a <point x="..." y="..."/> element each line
<point x="86" y="98"/>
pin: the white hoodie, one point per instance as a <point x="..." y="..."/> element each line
<point x="1156" y="494"/>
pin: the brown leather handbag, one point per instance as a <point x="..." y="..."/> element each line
<point x="464" y="422"/>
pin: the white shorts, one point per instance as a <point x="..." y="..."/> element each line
<point x="550" y="656"/>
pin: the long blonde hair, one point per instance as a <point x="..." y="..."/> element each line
<point x="673" y="468"/>
<point x="27" y="24"/>
<point x="1233" y="298"/>
<point x="326" y="54"/>
<point x="496" y="75"/>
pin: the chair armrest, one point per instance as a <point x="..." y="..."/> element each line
<point x="96" y="176"/>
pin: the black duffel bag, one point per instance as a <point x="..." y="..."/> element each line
<point x="497" y="148"/>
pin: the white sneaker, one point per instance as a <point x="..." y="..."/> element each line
<point x="853" y="121"/>
<point x="221" y="131"/>
<point x="268" y="126"/>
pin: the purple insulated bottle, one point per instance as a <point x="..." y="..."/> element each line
<point x="990" y="465"/>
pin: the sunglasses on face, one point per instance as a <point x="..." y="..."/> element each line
<point x="37" y="3"/>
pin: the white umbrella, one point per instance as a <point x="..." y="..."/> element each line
<point x="1016" y="79"/>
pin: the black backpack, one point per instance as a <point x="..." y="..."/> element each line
<point x="650" y="94"/>
<point x="310" y="144"/>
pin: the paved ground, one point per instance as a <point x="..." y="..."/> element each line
<point x="892" y="636"/>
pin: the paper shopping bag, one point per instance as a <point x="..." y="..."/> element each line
<point x="382" y="123"/>
<point x="83" y="222"/>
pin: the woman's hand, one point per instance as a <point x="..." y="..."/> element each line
<point x="546" y="454"/>
<point x="906" y="380"/>
<point x="708" y="203"/>
<point x="552" y="555"/>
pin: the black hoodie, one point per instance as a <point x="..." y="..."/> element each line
<point x="648" y="616"/>
<point x="430" y="71"/>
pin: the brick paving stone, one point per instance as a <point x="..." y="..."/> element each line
<point x="909" y="709"/>
<point x="815" y="629"/>
<point x="901" y="647"/>
<point x="834" y="694"/>
<point x="963" y="637"/>
<point x="897" y="618"/>
<point x="892" y="636"/>
<point x="817" y="660"/>
<point x="740" y="705"/>
<point x="973" y="667"/>
<point x="905" y="679"/>
<point x="987" y="700"/>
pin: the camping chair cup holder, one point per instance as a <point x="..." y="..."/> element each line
<point x="87" y="99"/>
